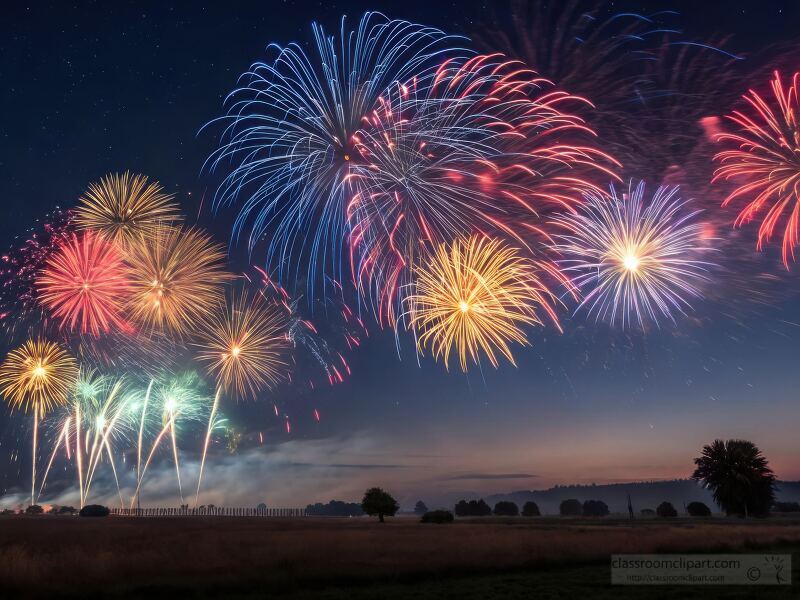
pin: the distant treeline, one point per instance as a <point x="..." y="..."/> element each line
<point x="335" y="508"/>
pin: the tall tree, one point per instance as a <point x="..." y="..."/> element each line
<point x="380" y="503"/>
<point x="738" y="475"/>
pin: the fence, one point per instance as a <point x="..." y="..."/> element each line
<point x="208" y="511"/>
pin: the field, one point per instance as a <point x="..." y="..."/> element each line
<point x="50" y="556"/>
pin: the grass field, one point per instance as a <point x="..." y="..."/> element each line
<point x="184" y="557"/>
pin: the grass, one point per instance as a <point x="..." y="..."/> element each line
<point x="358" y="558"/>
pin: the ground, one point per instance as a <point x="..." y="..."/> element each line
<point x="189" y="557"/>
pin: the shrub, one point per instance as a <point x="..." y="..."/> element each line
<point x="506" y="509"/>
<point x="698" y="509"/>
<point x="665" y="509"/>
<point x="94" y="510"/>
<point x="530" y="509"/>
<point x="437" y="516"/>
<point x="648" y="512"/>
<point x="570" y="508"/>
<point x="595" y="508"/>
<point x="786" y="507"/>
<point x="34" y="509"/>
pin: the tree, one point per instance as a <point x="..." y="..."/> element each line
<point x="378" y="502"/>
<point x="570" y="508"/>
<point x="665" y="509"/>
<point x="698" y="509"/>
<point x="34" y="509"/>
<point x="462" y="508"/>
<point x="595" y="508"/>
<point x="647" y="512"/>
<point x="335" y="508"/>
<point x="481" y="508"/>
<point x="420" y="508"/>
<point x="506" y="509"/>
<point x="738" y="476"/>
<point x="473" y="508"/>
<point x="530" y="509"/>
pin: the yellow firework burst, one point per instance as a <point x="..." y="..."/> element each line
<point x="126" y="207"/>
<point x="177" y="276"/>
<point x="37" y="376"/>
<point x="473" y="297"/>
<point x="244" y="344"/>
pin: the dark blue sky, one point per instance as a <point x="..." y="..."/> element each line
<point x="91" y="88"/>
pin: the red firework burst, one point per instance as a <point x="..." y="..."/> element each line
<point x="765" y="157"/>
<point x="84" y="285"/>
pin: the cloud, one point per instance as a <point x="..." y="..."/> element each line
<point x="489" y="476"/>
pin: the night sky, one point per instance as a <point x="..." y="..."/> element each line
<point x="92" y="88"/>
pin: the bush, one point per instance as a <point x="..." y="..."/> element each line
<point x="94" y="510"/>
<point x="66" y="510"/>
<point x="34" y="509"/>
<point x="786" y="507"/>
<point x="530" y="509"/>
<point x="473" y="508"/>
<point x="437" y="516"/>
<point x="665" y="509"/>
<point x="506" y="509"/>
<point x="648" y="512"/>
<point x="698" y="509"/>
<point x="570" y="508"/>
<point x="595" y="508"/>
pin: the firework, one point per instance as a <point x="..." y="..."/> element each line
<point x="176" y="277"/>
<point x="483" y="145"/>
<point x="289" y="134"/>
<point x="21" y="265"/>
<point x="243" y="344"/>
<point x="473" y="297"/>
<point x="634" y="261"/>
<point x="37" y="376"/>
<point x="765" y="158"/>
<point x="85" y="285"/>
<point x="126" y="208"/>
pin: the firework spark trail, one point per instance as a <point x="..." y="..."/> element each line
<point x="211" y="424"/>
<point x="139" y="443"/>
<point x="288" y="136"/>
<point x="634" y="259"/>
<point x="64" y="435"/>
<point x="153" y="449"/>
<point x="765" y="157"/>
<point x="481" y="145"/>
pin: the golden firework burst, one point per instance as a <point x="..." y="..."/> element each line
<point x="244" y="344"/>
<point x="176" y="275"/>
<point x="472" y="297"/>
<point x="37" y="376"/>
<point x="126" y="208"/>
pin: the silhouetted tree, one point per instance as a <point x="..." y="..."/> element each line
<point x="66" y="510"/>
<point x="378" y="502"/>
<point x="698" y="509"/>
<point x="473" y="508"/>
<point x="738" y="476"/>
<point x="530" y="509"/>
<point x="34" y="509"/>
<point x="481" y="508"/>
<point x="786" y="507"/>
<point x="420" y="508"/>
<point x="506" y="509"/>
<point x="665" y="509"/>
<point x="462" y="508"/>
<point x="570" y="508"/>
<point x="595" y="508"/>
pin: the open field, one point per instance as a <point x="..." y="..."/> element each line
<point x="358" y="558"/>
